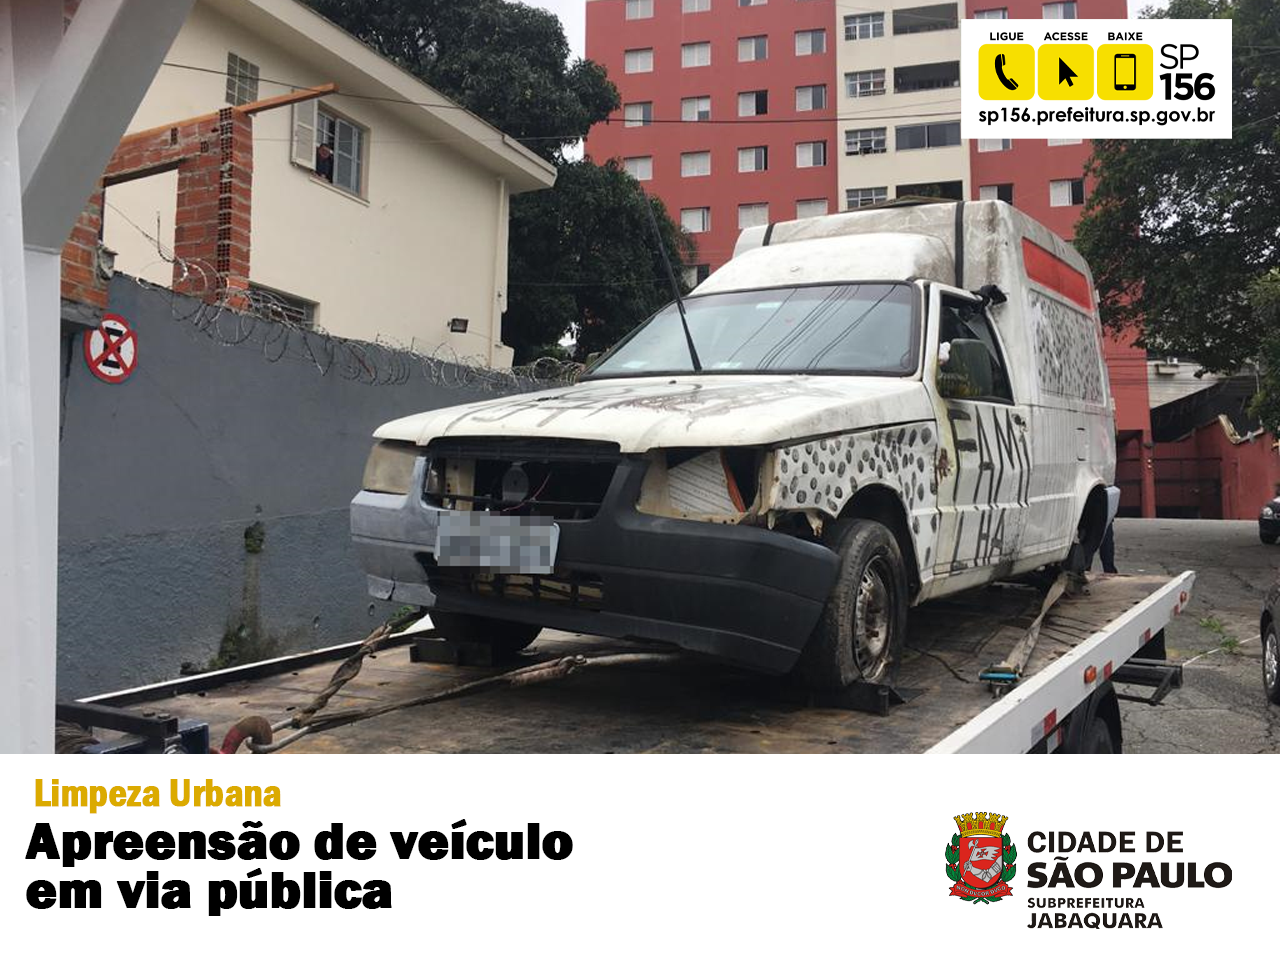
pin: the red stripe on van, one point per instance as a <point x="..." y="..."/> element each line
<point x="1056" y="274"/>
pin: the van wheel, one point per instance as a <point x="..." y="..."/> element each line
<point x="506" y="637"/>
<point x="863" y="625"/>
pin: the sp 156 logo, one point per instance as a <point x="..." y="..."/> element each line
<point x="980" y="858"/>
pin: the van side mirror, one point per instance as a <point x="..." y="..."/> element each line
<point x="967" y="372"/>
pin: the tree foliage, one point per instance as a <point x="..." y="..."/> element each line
<point x="505" y="62"/>
<point x="585" y="252"/>
<point x="582" y="256"/>
<point x="1183" y="234"/>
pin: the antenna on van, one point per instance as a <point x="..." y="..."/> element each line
<point x="675" y="287"/>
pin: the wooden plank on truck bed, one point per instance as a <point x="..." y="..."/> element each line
<point x="690" y="706"/>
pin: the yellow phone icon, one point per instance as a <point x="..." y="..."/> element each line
<point x="1008" y="84"/>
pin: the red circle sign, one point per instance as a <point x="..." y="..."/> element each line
<point x="111" y="350"/>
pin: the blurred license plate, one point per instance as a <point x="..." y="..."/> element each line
<point x="494" y="542"/>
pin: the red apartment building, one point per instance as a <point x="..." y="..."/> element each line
<point x="780" y="85"/>
<point x="720" y="62"/>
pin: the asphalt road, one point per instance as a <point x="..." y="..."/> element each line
<point x="1221" y="707"/>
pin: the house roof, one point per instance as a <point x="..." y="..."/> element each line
<point x="359" y="69"/>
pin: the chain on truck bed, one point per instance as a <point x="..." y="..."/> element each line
<point x="259" y="734"/>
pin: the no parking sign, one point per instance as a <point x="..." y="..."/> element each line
<point x="111" y="350"/>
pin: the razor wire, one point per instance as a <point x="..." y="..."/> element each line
<point x="235" y="317"/>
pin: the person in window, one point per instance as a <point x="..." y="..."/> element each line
<point x="324" y="162"/>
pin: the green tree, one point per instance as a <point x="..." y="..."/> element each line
<point x="505" y="62"/>
<point x="583" y="259"/>
<point x="1184" y="235"/>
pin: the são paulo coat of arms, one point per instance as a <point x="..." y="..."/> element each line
<point x="980" y="858"/>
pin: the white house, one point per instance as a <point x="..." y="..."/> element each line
<point x="398" y="232"/>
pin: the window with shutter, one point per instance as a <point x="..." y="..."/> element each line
<point x="305" y="121"/>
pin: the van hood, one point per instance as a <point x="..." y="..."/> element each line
<point x="687" y="411"/>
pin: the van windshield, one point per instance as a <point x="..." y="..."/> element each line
<point x="862" y="328"/>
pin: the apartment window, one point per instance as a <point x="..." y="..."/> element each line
<point x="864" y="83"/>
<point x="695" y="108"/>
<point x="639" y="167"/>
<point x="943" y="16"/>
<point x="864" y="26"/>
<point x="695" y="6"/>
<point x="996" y="191"/>
<point x="809" y="42"/>
<point x="753" y="159"/>
<point x="811" y="98"/>
<point x="753" y="103"/>
<point x="695" y="164"/>
<point x="811" y="208"/>
<point x="986" y="145"/>
<point x="1063" y="143"/>
<point x="942" y="189"/>
<point x="752" y="3"/>
<point x="926" y="76"/>
<point x="1059" y="11"/>
<point x="1066" y="193"/>
<point x="752" y="48"/>
<point x="340" y="151"/>
<point x="639" y="9"/>
<point x="997" y="13"/>
<point x="242" y="80"/>
<point x="752" y="215"/>
<point x="638" y="61"/>
<point x="865" y="140"/>
<point x="695" y="54"/>
<point x="865" y="196"/>
<point x="925" y="136"/>
<point x="283" y="307"/>
<point x="696" y="219"/>
<point x="637" y="114"/>
<point x="812" y="153"/>
<point x="695" y="274"/>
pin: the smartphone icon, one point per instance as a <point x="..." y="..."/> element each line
<point x="1126" y="71"/>
<point x="1008" y="84"/>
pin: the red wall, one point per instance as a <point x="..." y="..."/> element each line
<point x="609" y="35"/>
<point x="1206" y="475"/>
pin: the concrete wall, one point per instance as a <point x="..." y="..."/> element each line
<point x="162" y="476"/>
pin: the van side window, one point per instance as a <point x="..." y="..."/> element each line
<point x="970" y="364"/>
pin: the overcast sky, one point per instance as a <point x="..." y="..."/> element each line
<point x="572" y="14"/>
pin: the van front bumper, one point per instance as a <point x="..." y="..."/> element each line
<point x="741" y="594"/>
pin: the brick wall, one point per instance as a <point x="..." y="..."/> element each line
<point x="213" y="156"/>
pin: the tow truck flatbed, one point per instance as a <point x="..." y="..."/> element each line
<point x="693" y="706"/>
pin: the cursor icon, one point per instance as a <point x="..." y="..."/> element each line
<point x="1065" y="72"/>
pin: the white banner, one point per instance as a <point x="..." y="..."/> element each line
<point x="773" y="856"/>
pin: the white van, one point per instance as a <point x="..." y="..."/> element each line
<point x="893" y="404"/>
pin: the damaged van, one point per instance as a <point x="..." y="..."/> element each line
<point x="857" y="413"/>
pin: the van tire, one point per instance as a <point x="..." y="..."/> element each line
<point x="505" y="637"/>
<point x="863" y="626"/>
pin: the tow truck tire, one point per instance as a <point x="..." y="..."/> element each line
<point x="1097" y="739"/>
<point x="506" y="637"/>
<point x="1271" y="663"/>
<point x="863" y="626"/>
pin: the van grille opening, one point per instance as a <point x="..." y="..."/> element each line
<point x="565" y="480"/>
